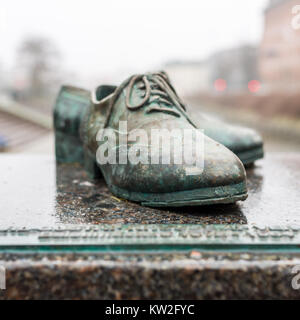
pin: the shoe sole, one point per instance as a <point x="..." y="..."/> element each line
<point x="250" y="156"/>
<point x="197" y="197"/>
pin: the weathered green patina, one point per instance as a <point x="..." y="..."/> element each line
<point x="246" y="143"/>
<point x="70" y="107"/>
<point x="149" y="102"/>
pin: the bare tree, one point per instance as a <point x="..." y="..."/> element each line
<point x="39" y="59"/>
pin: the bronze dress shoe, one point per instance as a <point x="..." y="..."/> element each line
<point x="144" y="102"/>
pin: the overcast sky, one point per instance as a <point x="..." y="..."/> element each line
<point x="108" y="38"/>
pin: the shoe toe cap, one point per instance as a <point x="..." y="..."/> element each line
<point x="221" y="168"/>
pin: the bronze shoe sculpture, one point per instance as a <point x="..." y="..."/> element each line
<point x="144" y="102"/>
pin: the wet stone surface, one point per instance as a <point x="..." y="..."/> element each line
<point x="35" y="193"/>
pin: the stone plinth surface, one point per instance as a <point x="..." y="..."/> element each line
<point x="44" y="257"/>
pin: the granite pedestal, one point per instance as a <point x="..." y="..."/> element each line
<point x="65" y="236"/>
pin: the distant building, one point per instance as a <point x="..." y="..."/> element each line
<point x="190" y="77"/>
<point x="279" y="58"/>
<point x="237" y="66"/>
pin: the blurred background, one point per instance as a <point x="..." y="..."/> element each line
<point x="231" y="59"/>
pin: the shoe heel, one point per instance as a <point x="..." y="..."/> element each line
<point x="68" y="149"/>
<point x="69" y="110"/>
<point x="90" y="166"/>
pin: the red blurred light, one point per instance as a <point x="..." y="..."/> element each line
<point x="254" y="86"/>
<point x="220" y="85"/>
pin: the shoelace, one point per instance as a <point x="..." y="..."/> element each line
<point x="157" y="88"/>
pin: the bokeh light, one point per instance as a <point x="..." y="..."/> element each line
<point x="254" y="86"/>
<point x="220" y="85"/>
